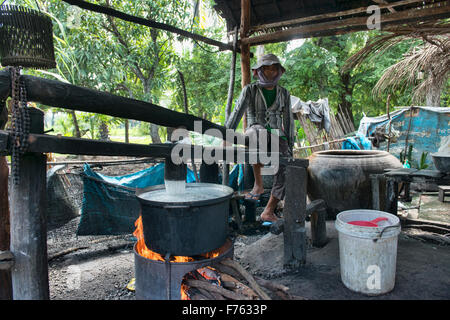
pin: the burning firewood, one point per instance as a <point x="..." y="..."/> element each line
<point x="252" y="282"/>
<point x="237" y="286"/>
<point x="213" y="288"/>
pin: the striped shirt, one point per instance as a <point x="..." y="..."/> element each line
<point x="277" y="116"/>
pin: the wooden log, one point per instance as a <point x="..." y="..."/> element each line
<point x="29" y="226"/>
<point x="226" y="270"/>
<point x="434" y="11"/>
<point x="294" y="217"/>
<point x="43" y="143"/>
<point x="252" y="282"/>
<point x="213" y="288"/>
<point x="237" y="286"/>
<point x="63" y="95"/>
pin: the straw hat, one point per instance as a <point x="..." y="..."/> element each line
<point x="268" y="60"/>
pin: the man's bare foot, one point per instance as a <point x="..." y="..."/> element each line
<point x="268" y="215"/>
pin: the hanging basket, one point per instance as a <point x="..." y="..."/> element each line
<point x="26" y="38"/>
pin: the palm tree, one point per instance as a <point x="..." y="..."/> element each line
<point x="426" y="66"/>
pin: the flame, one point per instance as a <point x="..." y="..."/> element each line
<point x="145" y="252"/>
<point x="184" y="290"/>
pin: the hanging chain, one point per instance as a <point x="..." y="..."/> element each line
<point x="20" y="122"/>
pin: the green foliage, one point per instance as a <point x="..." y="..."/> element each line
<point x="314" y="71"/>
<point x="407" y="156"/>
<point x="130" y="60"/>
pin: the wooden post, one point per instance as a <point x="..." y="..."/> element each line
<point x="318" y="223"/>
<point x="294" y="217"/>
<point x="29" y="225"/>
<point x="226" y="166"/>
<point x="391" y="196"/>
<point x="245" y="49"/>
<point x="209" y="173"/>
<point x="5" y="275"/>
<point x="375" y="183"/>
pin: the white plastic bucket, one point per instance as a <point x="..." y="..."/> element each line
<point x="368" y="255"/>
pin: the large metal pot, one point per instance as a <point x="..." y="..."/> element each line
<point x="185" y="227"/>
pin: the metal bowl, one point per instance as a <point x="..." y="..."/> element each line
<point x="441" y="161"/>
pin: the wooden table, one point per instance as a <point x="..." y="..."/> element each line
<point x="407" y="176"/>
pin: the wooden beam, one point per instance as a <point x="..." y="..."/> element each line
<point x="62" y="95"/>
<point x="381" y="2"/>
<point x="435" y="11"/>
<point x="43" y="143"/>
<point x="329" y="15"/>
<point x="146" y="22"/>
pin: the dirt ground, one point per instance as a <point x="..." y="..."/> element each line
<point x="103" y="271"/>
<point x="101" y="267"/>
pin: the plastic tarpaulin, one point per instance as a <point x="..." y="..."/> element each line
<point x="109" y="204"/>
<point x="427" y="129"/>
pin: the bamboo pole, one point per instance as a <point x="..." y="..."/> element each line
<point x="245" y="49"/>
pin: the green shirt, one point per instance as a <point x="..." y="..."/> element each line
<point x="269" y="96"/>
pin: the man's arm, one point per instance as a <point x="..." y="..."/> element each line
<point x="243" y="102"/>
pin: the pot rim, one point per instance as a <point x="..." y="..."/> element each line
<point x="351" y="153"/>
<point x="228" y="193"/>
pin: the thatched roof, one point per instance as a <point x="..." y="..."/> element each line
<point x="324" y="17"/>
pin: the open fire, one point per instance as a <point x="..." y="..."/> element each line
<point x="206" y="273"/>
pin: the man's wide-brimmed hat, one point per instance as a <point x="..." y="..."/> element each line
<point x="268" y="60"/>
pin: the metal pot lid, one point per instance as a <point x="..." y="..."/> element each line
<point x="198" y="193"/>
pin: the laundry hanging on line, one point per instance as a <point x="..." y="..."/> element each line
<point x="318" y="112"/>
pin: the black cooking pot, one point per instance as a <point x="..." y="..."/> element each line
<point x="185" y="227"/>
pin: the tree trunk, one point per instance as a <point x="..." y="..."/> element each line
<point x="433" y="96"/>
<point x="348" y="91"/>
<point x="127" y="131"/>
<point x="75" y="123"/>
<point x="154" y="133"/>
<point x="103" y="131"/>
